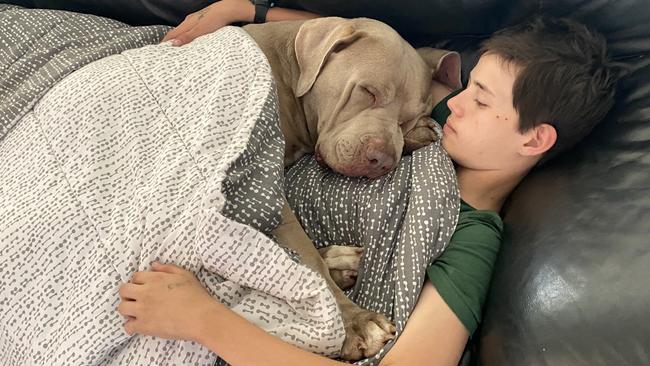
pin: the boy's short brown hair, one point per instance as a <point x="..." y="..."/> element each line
<point x="565" y="77"/>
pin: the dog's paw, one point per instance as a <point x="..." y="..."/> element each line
<point x="343" y="264"/>
<point x="344" y="279"/>
<point x="425" y="132"/>
<point x="366" y="333"/>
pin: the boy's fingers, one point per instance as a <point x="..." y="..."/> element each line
<point x="140" y="278"/>
<point x="202" y="27"/>
<point x="129" y="291"/>
<point x="181" y="39"/>
<point x="174" y="33"/>
<point x="137" y="278"/>
<point x="185" y="26"/>
<point x="131" y="326"/>
<point x="192" y="34"/>
<point x="127" y="308"/>
<point x="168" y="268"/>
<point x="168" y="36"/>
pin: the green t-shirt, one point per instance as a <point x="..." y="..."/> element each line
<point x="462" y="273"/>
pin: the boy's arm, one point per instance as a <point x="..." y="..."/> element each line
<point x="225" y="12"/>
<point x="433" y="337"/>
<point x="170" y="302"/>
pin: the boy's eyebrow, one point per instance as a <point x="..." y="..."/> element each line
<point x="480" y="85"/>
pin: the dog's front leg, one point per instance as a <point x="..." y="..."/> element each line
<point x="366" y="331"/>
<point x="290" y="234"/>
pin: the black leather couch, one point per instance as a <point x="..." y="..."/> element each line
<point x="571" y="283"/>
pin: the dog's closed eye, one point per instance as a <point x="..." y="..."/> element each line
<point x="369" y="93"/>
<point x="363" y="96"/>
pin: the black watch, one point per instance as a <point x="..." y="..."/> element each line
<point x="261" y="8"/>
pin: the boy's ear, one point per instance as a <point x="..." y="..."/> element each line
<point x="539" y="140"/>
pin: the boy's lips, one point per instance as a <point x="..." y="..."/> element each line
<point x="448" y="128"/>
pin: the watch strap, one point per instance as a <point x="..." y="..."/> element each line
<point x="261" y="8"/>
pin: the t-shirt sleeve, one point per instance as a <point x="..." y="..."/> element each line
<point x="462" y="273"/>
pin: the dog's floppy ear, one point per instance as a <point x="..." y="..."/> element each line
<point x="315" y="41"/>
<point x="444" y="64"/>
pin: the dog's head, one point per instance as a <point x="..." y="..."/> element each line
<point x="364" y="88"/>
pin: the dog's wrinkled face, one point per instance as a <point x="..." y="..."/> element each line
<point x="378" y="98"/>
<point x="368" y="88"/>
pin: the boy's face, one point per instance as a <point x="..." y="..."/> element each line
<point x="482" y="130"/>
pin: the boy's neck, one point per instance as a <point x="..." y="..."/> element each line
<point x="487" y="189"/>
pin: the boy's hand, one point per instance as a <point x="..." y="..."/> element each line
<point x="209" y="19"/>
<point x="168" y="302"/>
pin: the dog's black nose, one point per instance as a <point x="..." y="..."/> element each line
<point x="379" y="158"/>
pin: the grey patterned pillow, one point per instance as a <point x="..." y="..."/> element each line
<point x="403" y="219"/>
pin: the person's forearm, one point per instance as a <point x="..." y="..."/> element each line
<point x="245" y="12"/>
<point x="223" y="13"/>
<point x="278" y="14"/>
<point x="240" y="343"/>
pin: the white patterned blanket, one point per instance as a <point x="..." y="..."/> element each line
<point x="157" y="153"/>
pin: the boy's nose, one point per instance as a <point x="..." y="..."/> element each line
<point x="454" y="106"/>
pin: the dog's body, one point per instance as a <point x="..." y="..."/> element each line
<point x="352" y="92"/>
